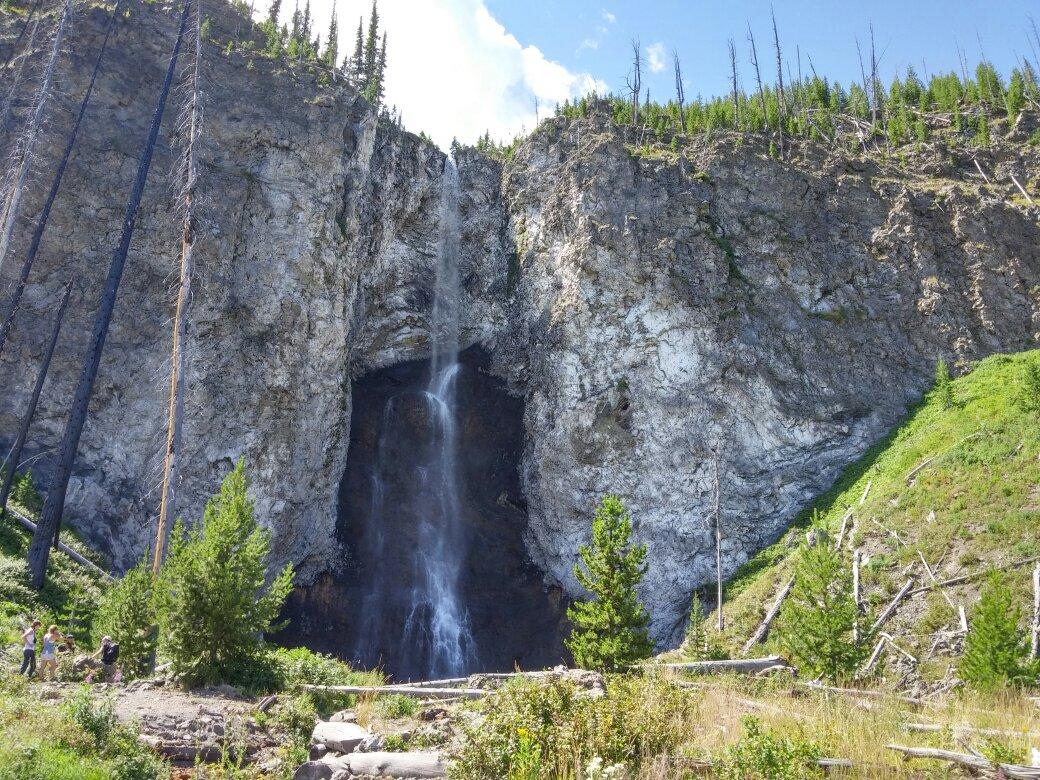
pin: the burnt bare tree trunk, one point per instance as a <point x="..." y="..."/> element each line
<point x="16" y="82"/>
<point x="781" y="97"/>
<point x="45" y="212"/>
<point x="32" y="134"/>
<point x="680" y="92"/>
<point x="175" y="413"/>
<point x="758" y="79"/>
<point x="635" y="81"/>
<point x="15" y="456"/>
<point x="717" y="512"/>
<point x="50" y="519"/>
<point x="733" y="83"/>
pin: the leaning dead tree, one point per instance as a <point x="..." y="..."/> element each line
<point x="50" y="518"/>
<point x="680" y="92"/>
<point x="16" y="82"/>
<point x="45" y="212"/>
<point x="635" y="80"/>
<point x="175" y="413"/>
<point x="15" y="456"/>
<point x="32" y="134"/>
<point x="758" y="78"/>
<point x="29" y="18"/>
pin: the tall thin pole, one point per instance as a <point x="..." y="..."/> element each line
<point x="50" y="519"/>
<point x="45" y="212"/>
<point x="175" y="414"/>
<point x="718" y="544"/>
<point x="15" y="456"/>
<point x="32" y="133"/>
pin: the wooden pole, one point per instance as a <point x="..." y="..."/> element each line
<point x="50" y="519"/>
<point x="758" y="78"/>
<point x="175" y="411"/>
<point x="774" y="610"/>
<point x="45" y="212"/>
<point x="15" y="457"/>
<point x="891" y="608"/>
<point x="857" y="596"/>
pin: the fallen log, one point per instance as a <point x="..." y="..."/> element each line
<point x="377" y="764"/>
<point x="938" y="728"/>
<point x="860" y="693"/>
<point x="975" y="575"/>
<point x="737" y="665"/>
<point x="1014" y="771"/>
<point x="418" y="693"/>
<point x="923" y="464"/>
<point x="774" y="609"/>
<point x="891" y="608"/>
<point x="30" y="526"/>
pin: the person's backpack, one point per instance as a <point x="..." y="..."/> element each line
<point x="110" y="654"/>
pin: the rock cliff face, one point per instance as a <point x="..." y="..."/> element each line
<point x="649" y="308"/>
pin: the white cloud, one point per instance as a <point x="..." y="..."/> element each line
<point x="655" y="51"/>
<point x="608" y="17"/>
<point x="454" y="71"/>
<point x="588" y="43"/>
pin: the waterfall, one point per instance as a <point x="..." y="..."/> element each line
<point x="413" y="593"/>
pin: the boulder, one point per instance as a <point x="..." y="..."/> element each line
<point x="339" y="737"/>
<point x="344" y="716"/>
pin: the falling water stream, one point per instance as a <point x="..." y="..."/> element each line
<point x="418" y="593"/>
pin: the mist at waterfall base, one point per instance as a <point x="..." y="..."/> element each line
<point x="437" y="582"/>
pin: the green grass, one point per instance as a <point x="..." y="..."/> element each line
<point x="983" y="486"/>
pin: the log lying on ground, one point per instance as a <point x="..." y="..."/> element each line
<point x="378" y="764"/>
<point x="1015" y="771"/>
<point x="737" y="665"/>
<point x="891" y="608"/>
<point x="975" y="575"/>
<point x="938" y="728"/>
<point x="763" y="627"/>
<point x="30" y="526"/>
<point x="860" y="693"/>
<point x="400" y="690"/>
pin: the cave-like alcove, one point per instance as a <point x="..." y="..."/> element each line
<point x="514" y="619"/>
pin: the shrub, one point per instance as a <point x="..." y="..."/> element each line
<point x="762" y="754"/>
<point x="943" y="388"/>
<point x="817" y="620"/>
<point x="995" y="649"/>
<point x="701" y="643"/>
<point x="1029" y="393"/>
<point x="300" y="666"/>
<point x="125" y="613"/>
<point x="95" y="717"/>
<point x="610" y="630"/>
<point x="211" y="598"/>
<point x="636" y="720"/>
<point x="395" y="706"/>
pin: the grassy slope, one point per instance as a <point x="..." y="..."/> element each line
<point x="984" y="492"/>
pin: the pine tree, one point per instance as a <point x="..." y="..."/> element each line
<point x="995" y="650"/>
<point x="374" y="90"/>
<point x="212" y="601"/>
<point x="125" y="613"/>
<point x="274" y="12"/>
<point x="943" y="387"/>
<point x="331" y="55"/>
<point x="1029" y="392"/>
<point x="610" y="629"/>
<point x="357" y="73"/>
<point x="372" y="48"/>
<point x="701" y="644"/>
<point x="816" y="625"/>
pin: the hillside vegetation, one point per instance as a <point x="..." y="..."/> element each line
<point x="957" y="485"/>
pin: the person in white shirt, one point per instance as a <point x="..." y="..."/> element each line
<point x="29" y="649"/>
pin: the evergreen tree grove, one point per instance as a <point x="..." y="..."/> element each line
<point x="211" y="599"/>
<point x="610" y="629"/>
<point x="996" y="648"/>
<point x="126" y="614"/>
<point x="816" y="625"/>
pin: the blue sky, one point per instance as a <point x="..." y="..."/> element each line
<point x="594" y="36"/>
<point x="460" y="67"/>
